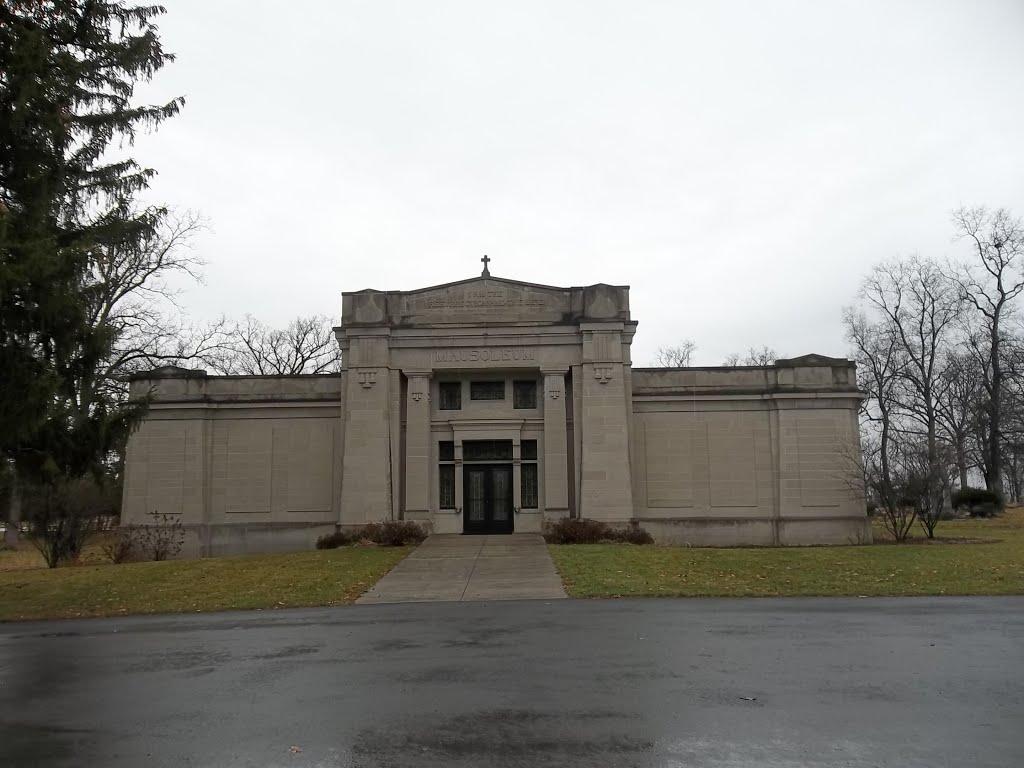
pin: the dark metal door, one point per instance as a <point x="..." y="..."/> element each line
<point x="487" y="498"/>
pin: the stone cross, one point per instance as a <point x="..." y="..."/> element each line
<point x="486" y="260"/>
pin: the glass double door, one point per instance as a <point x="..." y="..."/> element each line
<point x="487" y="498"/>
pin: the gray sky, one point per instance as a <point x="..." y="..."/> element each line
<point x="739" y="164"/>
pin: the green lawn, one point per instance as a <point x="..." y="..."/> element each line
<point x="617" y="570"/>
<point x="328" y="577"/>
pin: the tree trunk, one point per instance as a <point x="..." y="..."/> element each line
<point x="995" y="429"/>
<point x="13" y="511"/>
<point x="961" y="462"/>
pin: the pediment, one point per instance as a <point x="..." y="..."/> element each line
<point x="811" y="360"/>
<point x="484" y="300"/>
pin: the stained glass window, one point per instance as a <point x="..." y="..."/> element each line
<point x="446" y="486"/>
<point x="529" y="485"/>
<point x="524" y="394"/>
<point x="487" y="390"/>
<point x="451" y="395"/>
<point x="487" y="450"/>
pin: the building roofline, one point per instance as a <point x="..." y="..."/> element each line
<point x="506" y="280"/>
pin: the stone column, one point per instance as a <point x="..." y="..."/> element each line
<point x="556" y="451"/>
<point x="417" y="446"/>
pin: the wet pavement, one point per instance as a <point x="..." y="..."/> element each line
<point x="777" y="683"/>
<point x="460" y="567"/>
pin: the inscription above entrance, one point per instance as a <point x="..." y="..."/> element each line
<point x="482" y="299"/>
<point x="486" y="300"/>
<point x="485" y="355"/>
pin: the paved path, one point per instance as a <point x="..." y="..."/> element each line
<point x="766" y="683"/>
<point x="454" y="567"/>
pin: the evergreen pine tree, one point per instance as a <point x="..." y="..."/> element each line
<point x="68" y="70"/>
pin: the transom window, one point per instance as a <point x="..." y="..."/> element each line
<point x="487" y="450"/>
<point x="487" y="390"/>
<point x="524" y="394"/>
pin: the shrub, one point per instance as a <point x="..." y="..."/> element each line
<point x="634" y="534"/>
<point x="393" y="533"/>
<point x="123" y="544"/>
<point x="389" y="533"/>
<point x="335" y="540"/>
<point x="978" y="502"/>
<point x="58" y="525"/>
<point x="578" y="530"/>
<point x="163" y="538"/>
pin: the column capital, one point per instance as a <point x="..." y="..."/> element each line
<point x="556" y="370"/>
<point x="413" y="374"/>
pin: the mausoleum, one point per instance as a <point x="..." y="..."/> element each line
<point x="491" y="406"/>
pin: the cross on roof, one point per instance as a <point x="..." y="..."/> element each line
<point x="486" y="260"/>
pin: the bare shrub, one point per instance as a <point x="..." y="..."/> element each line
<point x="123" y="544"/>
<point x="161" y="539"/>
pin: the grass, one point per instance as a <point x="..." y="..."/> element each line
<point x="323" y="577"/>
<point x="938" y="568"/>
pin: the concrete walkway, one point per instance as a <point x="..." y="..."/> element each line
<point x="453" y="567"/>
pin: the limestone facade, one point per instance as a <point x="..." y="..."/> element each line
<point x="493" y="405"/>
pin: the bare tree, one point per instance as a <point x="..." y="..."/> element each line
<point x="135" y="298"/>
<point x="677" y="356"/>
<point x="760" y="357"/>
<point x="764" y="356"/>
<point x="990" y="283"/>
<point x="959" y="403"/>
<point x="916" y="307"/>
<point x="1013" y="418"/>
<point x="250" y="347"/>
<point x="880" y="362"/>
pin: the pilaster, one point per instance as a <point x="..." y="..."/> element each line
<point x="417" y="446"/>
<point x="366" y="462"/>
<point x="556" y="450"/>
<point x="606" y="482"/>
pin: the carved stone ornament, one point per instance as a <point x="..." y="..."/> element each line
<point x="602" y="372"/>
<point x="554" y="394"/>
<point x="367" y="378"/>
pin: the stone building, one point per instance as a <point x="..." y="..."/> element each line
<point x="490" y="406"/>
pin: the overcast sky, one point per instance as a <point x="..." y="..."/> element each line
<point x="739" y="164"/>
